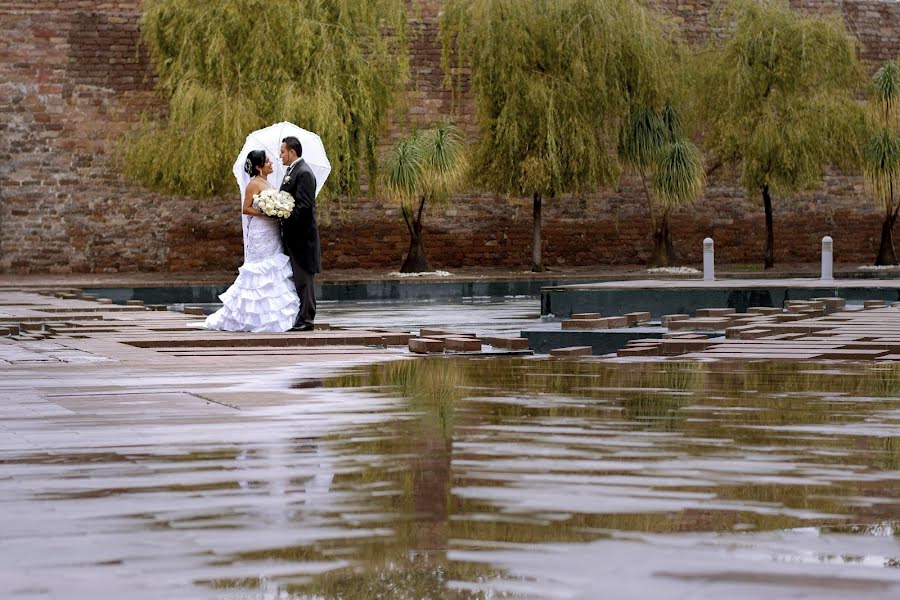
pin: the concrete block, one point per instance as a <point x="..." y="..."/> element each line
<point x="666" y="319"/>
<point x="134" y="302"/>
<point x="788" y="317"/>
<point x="395" y="339"/>
<point x="585" y="316"/>
<point x="764" y="310"/>
<point x="714" y="323"/>
<point x="462" y="344"/>
<point x="425" y="345"/>
<point x="714" y="312"/>
<point x="585" y="324"/>
<point x="672" y="347"/>
<point x="572" y="351"/>
<point x="617" y="321"/>
<point x="194" y="310"/>
<point x="874" y="304"/>
<point x="637" y="317"/>
<point x="440" y="333"/>
<point x="642" y="350"/>
<point x="507" y="343"/>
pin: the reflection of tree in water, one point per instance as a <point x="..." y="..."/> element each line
<point x="447" y="398"/>
<point x="417" y="451"/>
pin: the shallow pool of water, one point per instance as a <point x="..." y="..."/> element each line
<point x="490" y="478"/>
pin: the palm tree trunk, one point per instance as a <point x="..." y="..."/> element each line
<point x="886" y="253"/>
<point x="537" y="264"/>
<point x="416" y="258"/>
<point x="663" y="248"/>
<point x="770" y="233"/>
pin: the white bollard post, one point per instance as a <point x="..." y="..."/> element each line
<point x="708" y="260"/>
<point x="827" y="258"/>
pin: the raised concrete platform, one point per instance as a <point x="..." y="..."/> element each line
<point x="661" y="297"/>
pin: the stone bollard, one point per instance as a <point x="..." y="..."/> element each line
<point x="827" y="258"/>
<point x="708" y="260"/>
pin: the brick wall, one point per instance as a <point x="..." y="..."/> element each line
<point x="74" y="79"/>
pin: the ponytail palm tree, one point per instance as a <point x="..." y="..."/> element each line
<point x="881" y="157"/>
<point x="652" y="144"/>
<point x="427" y="167"/>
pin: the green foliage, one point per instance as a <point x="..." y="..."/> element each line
<point x="552" y="83"/>
<point x="430" y="164"/>
<point x="881" y="154"/>
<point x="679" y="177"/>
<point x="228" y="67"/>
<point x="778" y="95"/>
<point x="642" y="138"/>
<point x="881" y="162"/>
<point x="886" y="92"/>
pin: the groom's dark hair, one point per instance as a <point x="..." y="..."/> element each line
<point x="294" y="144"/>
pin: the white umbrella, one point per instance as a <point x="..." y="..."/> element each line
<point x="269" y="139"/>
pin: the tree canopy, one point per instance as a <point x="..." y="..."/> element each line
<point x="228" y="67"/>
<point x="552" y="81"/>
<point x="780" y="94"/>
<point x="779" y="97"/>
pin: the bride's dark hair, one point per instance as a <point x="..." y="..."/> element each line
<point x="255" y="160"/>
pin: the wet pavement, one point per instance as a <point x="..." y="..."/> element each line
<point x="351" y="472"/>
<point x="453" y="478"/>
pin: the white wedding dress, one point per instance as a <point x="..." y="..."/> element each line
<point x="263" y="297"/>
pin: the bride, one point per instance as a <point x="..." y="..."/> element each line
<point x="263" y="297"/>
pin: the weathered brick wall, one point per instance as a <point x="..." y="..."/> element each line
<point x="73" y="80"/>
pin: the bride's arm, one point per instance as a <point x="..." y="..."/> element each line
<point x="248" y="200"/>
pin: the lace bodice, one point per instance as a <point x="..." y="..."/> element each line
<point x="263" y="238"/>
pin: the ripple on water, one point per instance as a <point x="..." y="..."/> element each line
<point x="443" y="478"/>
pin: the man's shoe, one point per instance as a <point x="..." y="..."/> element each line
<point x="302" y="327"/>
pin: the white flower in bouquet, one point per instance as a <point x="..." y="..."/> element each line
<point x="274" y="203"/>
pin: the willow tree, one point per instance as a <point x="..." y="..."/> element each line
<point x="424" y="168"/>
<point x="227" y="67"/>
<point x="552" y="82"/>
<point x="653" y="144"/>
<point x="881" y="156"/>
<point x="778" y="97"/>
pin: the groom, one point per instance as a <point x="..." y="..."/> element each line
<point x="299" y="232"/>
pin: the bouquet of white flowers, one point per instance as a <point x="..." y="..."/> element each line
<point x="274" y="203"/>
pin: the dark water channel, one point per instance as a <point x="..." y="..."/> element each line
<point x="549" y="479"/>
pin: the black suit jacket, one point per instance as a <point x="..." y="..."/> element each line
<point x="300" y="232"/>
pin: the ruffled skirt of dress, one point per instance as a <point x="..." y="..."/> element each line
<point x="263" y="298"/>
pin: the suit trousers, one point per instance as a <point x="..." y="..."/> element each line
<point x="305" y="283"/>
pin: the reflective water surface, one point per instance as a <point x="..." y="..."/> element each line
<point x="493" y="478"/>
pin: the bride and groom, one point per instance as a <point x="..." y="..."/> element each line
<point x="275" y="289"/>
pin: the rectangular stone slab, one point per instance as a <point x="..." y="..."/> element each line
<point x="572" y="351"/>
<point x="507" y="343"/>
<point x="637" y="317"/>
<point x="462" y="344"/>
<point x="425" y="345"/>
